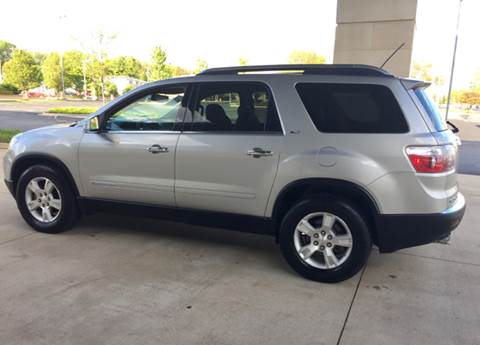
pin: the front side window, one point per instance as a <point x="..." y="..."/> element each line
<point x="352" y="108"/>
<point x="233" y="107"/>
<point x="161" y="110"/>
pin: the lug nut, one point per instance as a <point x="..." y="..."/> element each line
<point x="315" y="243"/>
<point x="329" y="244"/>
<point x="322" y="232"/>
<point x="322" y="247"/>
<point x="315" y="235"/>
<point x="329" y="237"/>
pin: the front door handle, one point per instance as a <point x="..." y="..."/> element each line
<point x="157" y="149"/>
<point x="258" y="152"/>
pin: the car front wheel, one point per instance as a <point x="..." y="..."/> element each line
<point x="46" y="200"/>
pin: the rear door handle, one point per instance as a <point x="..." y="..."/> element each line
<point x="157" y="149"/>
<point x="257" y="152"/>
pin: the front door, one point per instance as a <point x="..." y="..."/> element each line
<point x="228" y="154"/>
<point x="132" y="158"/>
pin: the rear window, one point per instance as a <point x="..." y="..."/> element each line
<point x="352" y="108"/>
<point x="431" y="109"/>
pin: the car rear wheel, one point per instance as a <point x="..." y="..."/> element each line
<point x="325" y="239"/>
<point x="46" y="200"/>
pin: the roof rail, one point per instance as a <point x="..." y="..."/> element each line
<point x="324" y="69"/>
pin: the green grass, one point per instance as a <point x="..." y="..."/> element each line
<point x="7" y="134"/>
<point x="72" y="110"/>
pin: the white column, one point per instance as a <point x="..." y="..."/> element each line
<point x="368" y="31"/>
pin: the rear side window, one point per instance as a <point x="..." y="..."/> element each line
<point x="352" y="108"/>
<point x="233" y="107"/>
<point x="431" y="109"/>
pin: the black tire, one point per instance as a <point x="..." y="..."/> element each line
<point x="69" y="213"/>
<point x="361" y="239"/>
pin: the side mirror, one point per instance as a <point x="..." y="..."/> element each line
<point x="93" y="124"/>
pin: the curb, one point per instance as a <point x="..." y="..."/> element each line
<point x="3" y="146"/>
<point x="65" y="115"/>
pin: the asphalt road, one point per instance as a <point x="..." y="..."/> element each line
<point x="469" y="161"/>
<point x="23" y="120"/>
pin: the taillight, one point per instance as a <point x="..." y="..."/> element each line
<point x="432" y="159"/>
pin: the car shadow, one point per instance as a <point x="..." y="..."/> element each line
<point x="261" y="246"/>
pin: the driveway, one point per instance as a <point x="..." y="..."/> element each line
<point x="122" y="280"/>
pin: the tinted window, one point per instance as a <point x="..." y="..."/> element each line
<point x="352" y="108"/>
<point x="431" y="109"/>
<point x="233" y="107"/>
<point x="157" y="111"/>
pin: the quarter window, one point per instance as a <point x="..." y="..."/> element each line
<point x="161" y="110"/>
<point x="352" y="108"/>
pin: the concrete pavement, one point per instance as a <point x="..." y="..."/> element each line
<point x="122" y="280"/>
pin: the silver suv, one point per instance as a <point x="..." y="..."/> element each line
<point x="328" y="159"/>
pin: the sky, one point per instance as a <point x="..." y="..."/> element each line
<point x="263" y="32"/>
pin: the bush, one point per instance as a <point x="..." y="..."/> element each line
<point x="111" y="90"/>
<point x="8" y="89"/>
<point x="129" y="87"/>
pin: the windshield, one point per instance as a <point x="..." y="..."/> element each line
<point x="431" y="109"/>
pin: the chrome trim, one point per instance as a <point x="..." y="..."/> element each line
<point x="157" y="149"/>
<point x="258" y="152"/>
<point x="235" y="133"/>
<point x="139" y="132"/>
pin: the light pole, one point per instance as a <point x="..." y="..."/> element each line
<point x="62" y="70"/>
<point x="453" y="61"/>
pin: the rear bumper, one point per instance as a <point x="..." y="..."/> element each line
<point x="9" y="185"/>
<point x="408" y="230"/>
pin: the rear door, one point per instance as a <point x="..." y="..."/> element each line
<point x="228" y="153"/>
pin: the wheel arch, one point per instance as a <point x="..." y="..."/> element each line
<point x="25" y="161"/>
<point x="356" y="194"/>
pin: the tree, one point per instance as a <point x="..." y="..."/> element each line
<point x="97" y="67"/>
<point x="159" y="68"/>
<point x="73" y="62"/>
<point x="201" y="66"/>
<point x="52" y="72"/>
<point x="421" y="71"/>
<point x="467" y="97"/>
<point x="22" y="71"/>
<point x="98" y="70"/>
<point x="127" y="66"/>
<point x="39" y="57"/>
<point x="305" y="57"/>
<point x="177" y="71"/>
<point x="242" y="62"/>
<point x="6" y="50"/>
